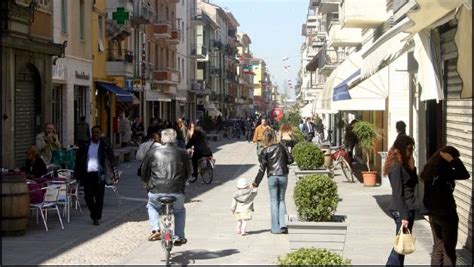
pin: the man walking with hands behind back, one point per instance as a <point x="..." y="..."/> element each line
<point x="95" y="160"/>
<point x="165" y="171"/>
<point x="308" y="130"/>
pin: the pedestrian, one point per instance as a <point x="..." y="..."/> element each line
<point x="350" y="139"/>
<point x="287" y="137"/>
<point x="137" y="130"/>
<point x="401" y="128"/>
<point x="200" y="148"/>
<point x="439" y="175"/>
<point x="400" y="168"/>
<point x="248" y="129"/>
<point x="165" y="171"/>
<point x="275" y="159"/>
<point x="47" y="141"/>
<point x="182" y="133"/>
<point x="95" y="161"/>
<point x="242" y="204"/>
<point x="308" y="130"/>
<point x="155" y="141"/>
<point x="258" y="136"/>
<point x="125" y="130"/>
<point x="82" y="132"/>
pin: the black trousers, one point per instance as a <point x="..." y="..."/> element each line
<point x="94" y="195"/>
<point x="445" y="237"/>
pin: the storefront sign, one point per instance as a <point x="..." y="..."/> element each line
<point x="59" y="72"/>
<point x="82" y="75"/>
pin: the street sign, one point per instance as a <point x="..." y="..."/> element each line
<point x="120" y="16"/>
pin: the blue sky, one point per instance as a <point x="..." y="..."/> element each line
<point x="274" y="26"/>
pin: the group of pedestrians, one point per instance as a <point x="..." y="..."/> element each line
<point x="438" y="175"/>
<point x="166" y="167"/>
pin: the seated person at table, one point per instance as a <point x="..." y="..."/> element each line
<point x="47" y="141"/>
<point x="35" y="165"/>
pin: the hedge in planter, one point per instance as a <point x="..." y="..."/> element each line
<point x="307" y="156"/>
<point x="299" y="137"/>
<point x="316" y="198"/>
<point x="312" y="256"/>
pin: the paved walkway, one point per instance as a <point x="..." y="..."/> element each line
<point x="210" y="225"/>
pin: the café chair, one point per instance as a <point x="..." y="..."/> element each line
<point x="50" y="202"/>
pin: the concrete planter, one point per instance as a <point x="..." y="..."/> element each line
<point x="329" y="235"/>
<point x="300" y="173"/>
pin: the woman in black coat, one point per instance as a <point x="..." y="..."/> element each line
<point x="400" y="168"/>
<point x="439" y="175"/>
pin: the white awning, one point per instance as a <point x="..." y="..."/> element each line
<point x="307" y="110"/>
<point x="427" y="76"/>
<point x="429" y="12"/>
<point x="387" y="48"/>
<point x="345" y="70"/>
<point x="370" y="94"/>
<point x="152" y="95"/>
<point x="463" y="40"/>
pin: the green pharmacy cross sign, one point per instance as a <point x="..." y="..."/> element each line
<point x="120" y="16"/>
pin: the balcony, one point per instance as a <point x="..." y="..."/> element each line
<point x="370" y="14"/>
<point x="119" y="63"/>
<point x="337" y="36"/>
<point x="230" y="51"/>
<point x="329" y="6"/>
<point x="216" y="45"/>
<point x="162" y="30"/>
<point x="198" y="18"/>
<point x="328" y="60"/>
<point x="167" y="76"/>
<point x="143" y="13"/>
<point x="199" y="87"/>
<point x="175" y="37"/>
<point x="214" y="71"/>
<point x="232" y="77"/>
<point x="198" y="52"/>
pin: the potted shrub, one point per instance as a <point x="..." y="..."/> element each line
<point x="312" y="256"/>
<point x="309" y="158"/>
<point x="316" y="224"/>
<point x="367" y="133"/>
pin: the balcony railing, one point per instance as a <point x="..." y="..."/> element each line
<point x="162" y="30"/>
<point x="120" y="55"/>
<point x="143" y="13"/>
<point x="328" y="60"/>
<point x="214" y="71"/>
<point x="371" y="14"/>
<point x="216" y="45"/>
<point x="167" y="76"/>
<point x="329" y="6"/>
<point x="198" y="51"/>
<point x="232" y="77"/>
<point x="175" y="37"/>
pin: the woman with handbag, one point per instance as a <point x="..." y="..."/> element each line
<point x="287" y="137"/>
<point x="439" y="175"/>
<point x="400" y="168"/>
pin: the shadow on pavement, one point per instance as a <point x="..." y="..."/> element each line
<point x="189" y="257"/>
<point x="384" y="203"/>
<point x="258" y="232"/>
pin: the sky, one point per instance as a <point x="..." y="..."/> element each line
<point x="274" y="26"/>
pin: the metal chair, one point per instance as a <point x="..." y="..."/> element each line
<point x="50" y="202"/>
<point x="73" y="187"/>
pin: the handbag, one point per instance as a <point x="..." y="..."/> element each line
<point x="404" y="243"/>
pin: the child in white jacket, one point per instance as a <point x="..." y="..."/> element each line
<point x="242" y="204"/>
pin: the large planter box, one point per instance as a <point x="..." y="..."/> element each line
<point x="300" y="173"/>
<point x="329" y="235"/>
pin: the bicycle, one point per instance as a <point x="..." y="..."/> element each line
<point x="340" y="158"/>
<point x="167" y="225"/>
<point x="205" y="170"/>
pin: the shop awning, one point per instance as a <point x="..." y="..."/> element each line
<point x="153" y="95"/>
<point x="307" y="110"/>
<point x="341" y="91"/>
<point x="463" y="40"/>
<point x="342" y="73"/>
<point x="429" y="12"/>
<point x="121" y="95"/>
<point x="370" y="94"/>
<point x="385" y="49"/>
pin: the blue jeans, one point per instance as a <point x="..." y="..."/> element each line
<point x="277" y="186"/>
<point x="396" y="259"/>
<point x="154" y="206"/>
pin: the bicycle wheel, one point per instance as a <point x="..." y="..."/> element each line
<point x="207" y="174"/>
<point x="347" y="170"/>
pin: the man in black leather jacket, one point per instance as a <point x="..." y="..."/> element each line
<point x="275" y="159"/>
<point x="165" y="171"/>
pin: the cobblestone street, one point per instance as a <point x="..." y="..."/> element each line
<point x="122" y="237"/>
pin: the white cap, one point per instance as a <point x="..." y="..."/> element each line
<point x="242" y="183"/>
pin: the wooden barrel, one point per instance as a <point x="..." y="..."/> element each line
<point x="15" y="204"/>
